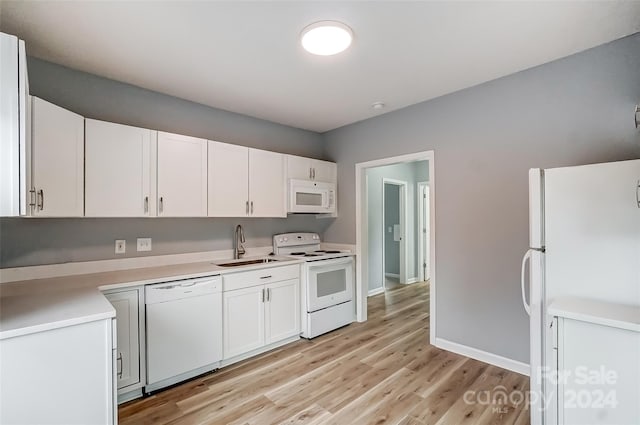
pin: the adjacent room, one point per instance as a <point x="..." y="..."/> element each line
<point x="313" y="212"/>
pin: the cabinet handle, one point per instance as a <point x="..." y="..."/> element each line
<point x="310" y="175"/>
<point x="262" y="294"/>
<point x="40" y="199"/>
<point x="638" y="194"/>
<point x="247" y="208"/>
<point x="161" y="204"/>
<point x="146" y="204"/>
<point x="314" y="173"/>
<point x="119" y="366"/>
<point x="252" y="207"/>
<point x="266" y="277"/>
<point x="268" y="294"/>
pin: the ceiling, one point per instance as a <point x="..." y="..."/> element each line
<point x="246" y="56"/>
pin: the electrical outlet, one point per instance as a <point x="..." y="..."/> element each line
<point x="121" y="246"/>
<point x="144" y="244"/>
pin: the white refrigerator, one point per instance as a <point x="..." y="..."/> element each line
<point x="584" y="233"/>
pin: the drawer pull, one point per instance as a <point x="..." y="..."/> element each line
<point x="266" y="277"/>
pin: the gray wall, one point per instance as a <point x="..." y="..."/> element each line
<point x="391" y="218"/>
<point x="410" y="173"/>
<point x="26" y="242"/>
<point x="577" y="110"/>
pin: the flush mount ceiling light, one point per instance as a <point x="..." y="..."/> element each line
<point x="326" y="38"/>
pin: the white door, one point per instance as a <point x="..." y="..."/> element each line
<point x="120" y="166"/>
<point x="57" y="160"/>
<point x="182" y="176"/>
<point x="128" y="349"/>
<point x="299" y="168"/>
<point x="228" y="180"/>
<point x="266" y="184"/>
<point x="243" y="318"/>
<point x="324" y="171"/>
<point x="282" y="315"/>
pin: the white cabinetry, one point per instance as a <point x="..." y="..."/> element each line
<point x="600" y="370"/>
<point x="130" y="327"/>
<point x="245" y="182"/>
<point x="120" y="170"/>
<point x="260" y="308"/>
<point x="59" y="376"/>
<point x="57" y="161"/>
<point x="301" y="168"/>
<point x="182" y="176"/>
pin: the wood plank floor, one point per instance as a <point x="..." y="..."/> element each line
<point x="382" y="371"/>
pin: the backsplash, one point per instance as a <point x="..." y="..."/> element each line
<point x="38" y="241"/>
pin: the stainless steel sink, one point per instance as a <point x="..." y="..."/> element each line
<point x="246" y="262"/>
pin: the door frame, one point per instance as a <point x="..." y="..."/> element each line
<point x="362" y="234"/>
<point x="422" y="246"/>
<point x="403" y="211"/>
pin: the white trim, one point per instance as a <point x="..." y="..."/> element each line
<point x="376" y="291"/>
<point x="403" y="211"/>
<point x="483" y="356"/>
<point x="396" y="275"/>
<point x="421" y="245"/>
<point x="362" y="277"/>
<point x="86" y="267"/>
<point x="412" y="280"/>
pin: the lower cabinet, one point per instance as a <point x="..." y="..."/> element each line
<point x="130" y="366"/>
<point x="260" y="315"/>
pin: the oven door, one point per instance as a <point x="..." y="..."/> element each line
<point x="330" y="282"/>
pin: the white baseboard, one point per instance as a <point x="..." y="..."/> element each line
<point x="412" y="280"/>
<point x="395" y="275"/>
<point x="376" y="291"/>
<point x="483" y="356"/>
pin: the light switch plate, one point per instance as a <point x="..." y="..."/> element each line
<point x="121" y="246"/>
<point x="144" y="244"/>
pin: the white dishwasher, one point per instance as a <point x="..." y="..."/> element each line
<point x="184" y="330"/>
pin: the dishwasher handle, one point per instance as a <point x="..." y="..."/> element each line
<point x="171" y="291"/>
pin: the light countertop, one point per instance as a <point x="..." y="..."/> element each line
<point x="42" y="304"/>
<point x="604" y="313"/>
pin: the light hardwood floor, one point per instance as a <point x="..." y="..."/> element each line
<point x="382" y="371"/>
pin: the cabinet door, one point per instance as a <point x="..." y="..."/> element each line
<point x="119" y="170"/>
<point x="57" y="160"/>
<point x="324" y="171"/>
<point x="243" y="320"/>
<point x="282" y="315"/>
<point x="128" y="349"/>
<point x="299" y="168"/>
<point x="266" y="184"/>
<point x="228" y="180"/>
<point x="182" y="176"/>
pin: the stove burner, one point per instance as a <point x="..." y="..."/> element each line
<point x="298" y="253"/>
<point x="332" y="252"/>
<point x="320" y="250"/>
<point x="312" y="255"/>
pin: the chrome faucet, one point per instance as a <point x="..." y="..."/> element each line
<point x="238" y="240"/>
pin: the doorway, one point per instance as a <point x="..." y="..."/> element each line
<point x="394" y="209"/>
<point x="369" y="272"/>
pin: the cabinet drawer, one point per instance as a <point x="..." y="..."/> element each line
<point x="259" y="277"/>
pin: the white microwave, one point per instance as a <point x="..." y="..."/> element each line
<point x="306" y="196"/>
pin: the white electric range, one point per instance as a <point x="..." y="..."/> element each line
<point x="327" y="282"/>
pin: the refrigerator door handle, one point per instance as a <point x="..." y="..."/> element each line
<point x="527" y="257"/>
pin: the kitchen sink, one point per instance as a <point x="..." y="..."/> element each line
<point x="246" y="262"/>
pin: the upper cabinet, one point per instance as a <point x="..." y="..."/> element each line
<point x="228" y="180"/>
<point x="301" y="168"/>
<point x="245" y="182"/>
<point x="266" y="184"/>
<point x="182" y="176"/>
<point x="120" y="170"/>
<point x="57" y="161"/>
